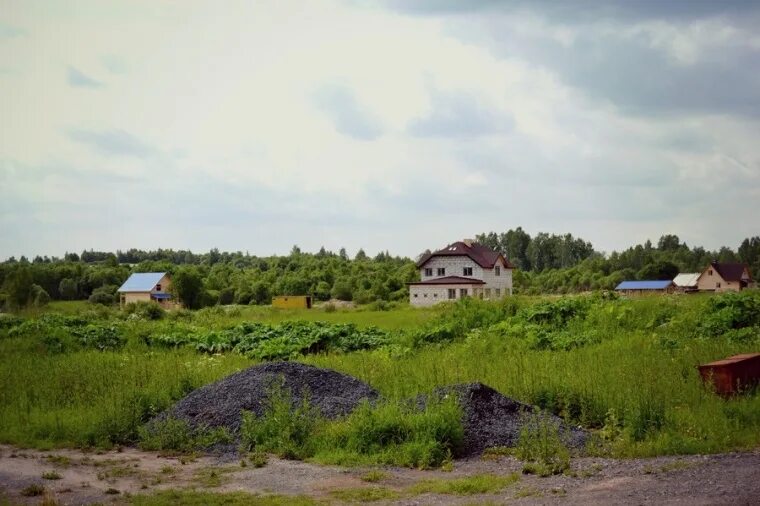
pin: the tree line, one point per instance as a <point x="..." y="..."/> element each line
<point x="546" y="263"/>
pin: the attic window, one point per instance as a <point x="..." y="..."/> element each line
<point x="497" y="270"/>
<point x="709" y="273"/>
<point x="428" y="271"/>
<point x="158" y="287"/>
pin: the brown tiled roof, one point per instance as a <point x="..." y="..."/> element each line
<point x="730" y="272"/>
<point x="450" y="280"/>
<point x="481" y="255"/>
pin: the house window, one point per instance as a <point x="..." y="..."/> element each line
<point x="497" y="292"/>
<point x="425" y="295"/>
<point x="467" y="271"/>
<point x="415" y="295"/>
<point x="441" y="271"/>
<point x="463" y="292"/>
<point x="429" y="271"/>
<point x="158" y="288"/>
<point x="717" y="285"/>
<point x="497" y="270"/>
<point x="435" y="295"/>
<point x="709" y="273"/>
<point x="488" y="293"/>
<point x="452" y="293"/>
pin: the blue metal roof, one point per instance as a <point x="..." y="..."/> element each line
<point x="142" y="282"/>
<point x="644" y="285"/>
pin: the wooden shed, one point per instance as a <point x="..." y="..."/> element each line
<point x="292" y="301"/>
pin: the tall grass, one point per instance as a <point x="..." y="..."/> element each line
<point x="627" y="367"/>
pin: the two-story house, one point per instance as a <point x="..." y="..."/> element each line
<point x="724" y="277"/>
<point x="461" y="269"/>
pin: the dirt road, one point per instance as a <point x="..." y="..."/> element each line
<point x="76" y="477"/>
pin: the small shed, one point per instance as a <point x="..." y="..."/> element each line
<point x="687" y="282"/>
<point x="645" y="287"/>
<point x="732" y="374"/>
<point x="292" y="301"/>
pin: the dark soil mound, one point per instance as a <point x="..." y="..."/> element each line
<point x="219" y="404"/>
<point x="492" y="419"/>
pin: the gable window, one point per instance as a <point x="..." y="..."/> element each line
<point x="158" y="288"/>
<point x="467" y="271"/>
<point x="428" y="271"/>
<point x="709" y="273"/>
<point x="497" y="270"/>
<point x="717" y="285"/>
<point x="452" y="293"/>
<point x="463" y="292"/>
<point x="441" y="271"/>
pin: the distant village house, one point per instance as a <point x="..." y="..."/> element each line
<point x="724" y="277"/>
<point x="461" y="269"/>
<point x="146" y="287"/>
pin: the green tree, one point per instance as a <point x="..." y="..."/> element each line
<point x="187" y="285"/>
<point x="18" y="287"/>
<point x="68" y="289"/>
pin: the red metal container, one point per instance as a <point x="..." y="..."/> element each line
<point x="732" y="374"/>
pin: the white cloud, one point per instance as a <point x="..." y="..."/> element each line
<point x="187" y="125"/>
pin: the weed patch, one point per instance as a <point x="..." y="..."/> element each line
<point x="470" y="485"/>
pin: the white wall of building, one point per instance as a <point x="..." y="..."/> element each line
<point x="427" y="295"/>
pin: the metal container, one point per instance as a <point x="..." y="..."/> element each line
<point x="732" y="374"/>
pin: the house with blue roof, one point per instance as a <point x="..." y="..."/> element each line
<point x="146" y="287"/>
<point x="645" y="287"/>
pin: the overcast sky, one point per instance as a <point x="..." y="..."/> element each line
<point x="393" y="125"/>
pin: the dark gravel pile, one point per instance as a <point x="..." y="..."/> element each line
<point x="492" y="419"/>
<point x="219" y="404"/>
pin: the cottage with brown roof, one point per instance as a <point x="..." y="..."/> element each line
<point x="724" y="277"/>
<point x="461" y="269"/>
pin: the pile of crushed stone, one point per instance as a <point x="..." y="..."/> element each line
<point x="220" y="404"/>
<point x="491" y="419"/>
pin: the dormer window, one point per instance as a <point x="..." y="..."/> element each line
<point x="467" y="271"/>
<point x="441" y="271"/>
<point x="497" y="270"/>
<point x="428" y="271"/>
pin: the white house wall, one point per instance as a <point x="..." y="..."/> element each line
<point x="427" y="295"/>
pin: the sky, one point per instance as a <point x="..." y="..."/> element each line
<point x="384" y="125"/>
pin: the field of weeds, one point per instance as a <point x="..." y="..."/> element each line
<point x="626" y="369"/>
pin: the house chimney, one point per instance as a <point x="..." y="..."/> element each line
<point x="468" y="242"/>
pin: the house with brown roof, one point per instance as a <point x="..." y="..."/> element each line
<point x="724" y="277"/>
<point x="462" y="269"/>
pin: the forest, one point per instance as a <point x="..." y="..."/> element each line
<point x="545" y="264"/>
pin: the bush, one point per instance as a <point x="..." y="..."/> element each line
<point x="40" y="297"/>
<point x="105" y="295"/>
<point x="541" y="447"/>
<point x="145" y="310"/>
<point x="177" y="435"/>
<point x="100" y="337"/>
<point x="285" y="428"/>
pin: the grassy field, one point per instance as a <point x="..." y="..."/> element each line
<point x="623" y="368"/>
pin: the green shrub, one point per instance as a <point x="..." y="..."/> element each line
<point x="145" y="310"/>
<point x="541" y="447"/>
<point x="177" y="435"/>
<point x="100" y="337"/>
<point x="285" y="428"/>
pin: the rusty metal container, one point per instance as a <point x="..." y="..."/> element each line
<point x="732" y="374"/>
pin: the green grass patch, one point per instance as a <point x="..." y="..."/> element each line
<point x="391" y="433"/>
<point x="200" y="498"/>
<point x="365" y="494"/>
<point x="469" y="485"/>
<point x="373" y="476"/>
